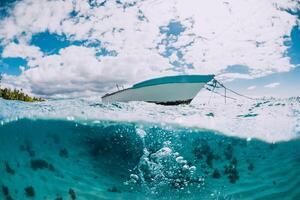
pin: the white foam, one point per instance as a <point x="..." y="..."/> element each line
<point x="269" y="120"/>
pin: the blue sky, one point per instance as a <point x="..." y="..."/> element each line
<point x="289" y="81"/>
<point x="176" y="42"/>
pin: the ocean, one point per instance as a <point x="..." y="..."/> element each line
<point x="84" y="149"/>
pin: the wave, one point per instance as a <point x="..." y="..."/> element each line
<point x="270" y="120"/>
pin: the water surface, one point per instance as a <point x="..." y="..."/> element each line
<point x="83" y="149"/>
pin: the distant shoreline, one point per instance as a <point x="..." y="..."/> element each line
<point x="19" y="95"/>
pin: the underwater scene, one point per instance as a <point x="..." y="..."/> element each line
<point x="149" y="100"/>
<point x="79" y="149"/>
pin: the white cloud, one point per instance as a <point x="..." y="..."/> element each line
<point x="232" y="76"/>
<point x="173" y="57"/>
<point x="76" y="71"/>
<point x="217" y="34"/>
<point x="21" y="51"/>
<point x="30" y="16"/>
<point x="272" y="85"/>
<point x="251" y="87"/>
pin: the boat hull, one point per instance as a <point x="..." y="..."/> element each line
<point x="165" y="94"/>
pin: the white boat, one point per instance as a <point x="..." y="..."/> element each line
<point x="168" y="90"/>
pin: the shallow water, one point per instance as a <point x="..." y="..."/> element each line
<point x="87" y="150"/>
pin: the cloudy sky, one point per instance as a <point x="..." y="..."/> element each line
<point x="56" y="48"/>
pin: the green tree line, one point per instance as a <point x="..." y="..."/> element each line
<point x="9" y="94"/>
<point x="15" y="94"/>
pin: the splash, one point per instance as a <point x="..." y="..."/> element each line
<point x="270" y="120"/>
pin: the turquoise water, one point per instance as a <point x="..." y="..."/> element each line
<point x="83" y="149"/>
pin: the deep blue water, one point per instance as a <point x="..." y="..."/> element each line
<point x="45" y="157"/>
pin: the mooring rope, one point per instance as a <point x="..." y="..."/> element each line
<point x="239" y="94"/>
<point x="216" y="83"/>
<point x="212" y="90"/>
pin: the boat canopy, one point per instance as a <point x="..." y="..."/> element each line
<point x="175" y="79"/>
